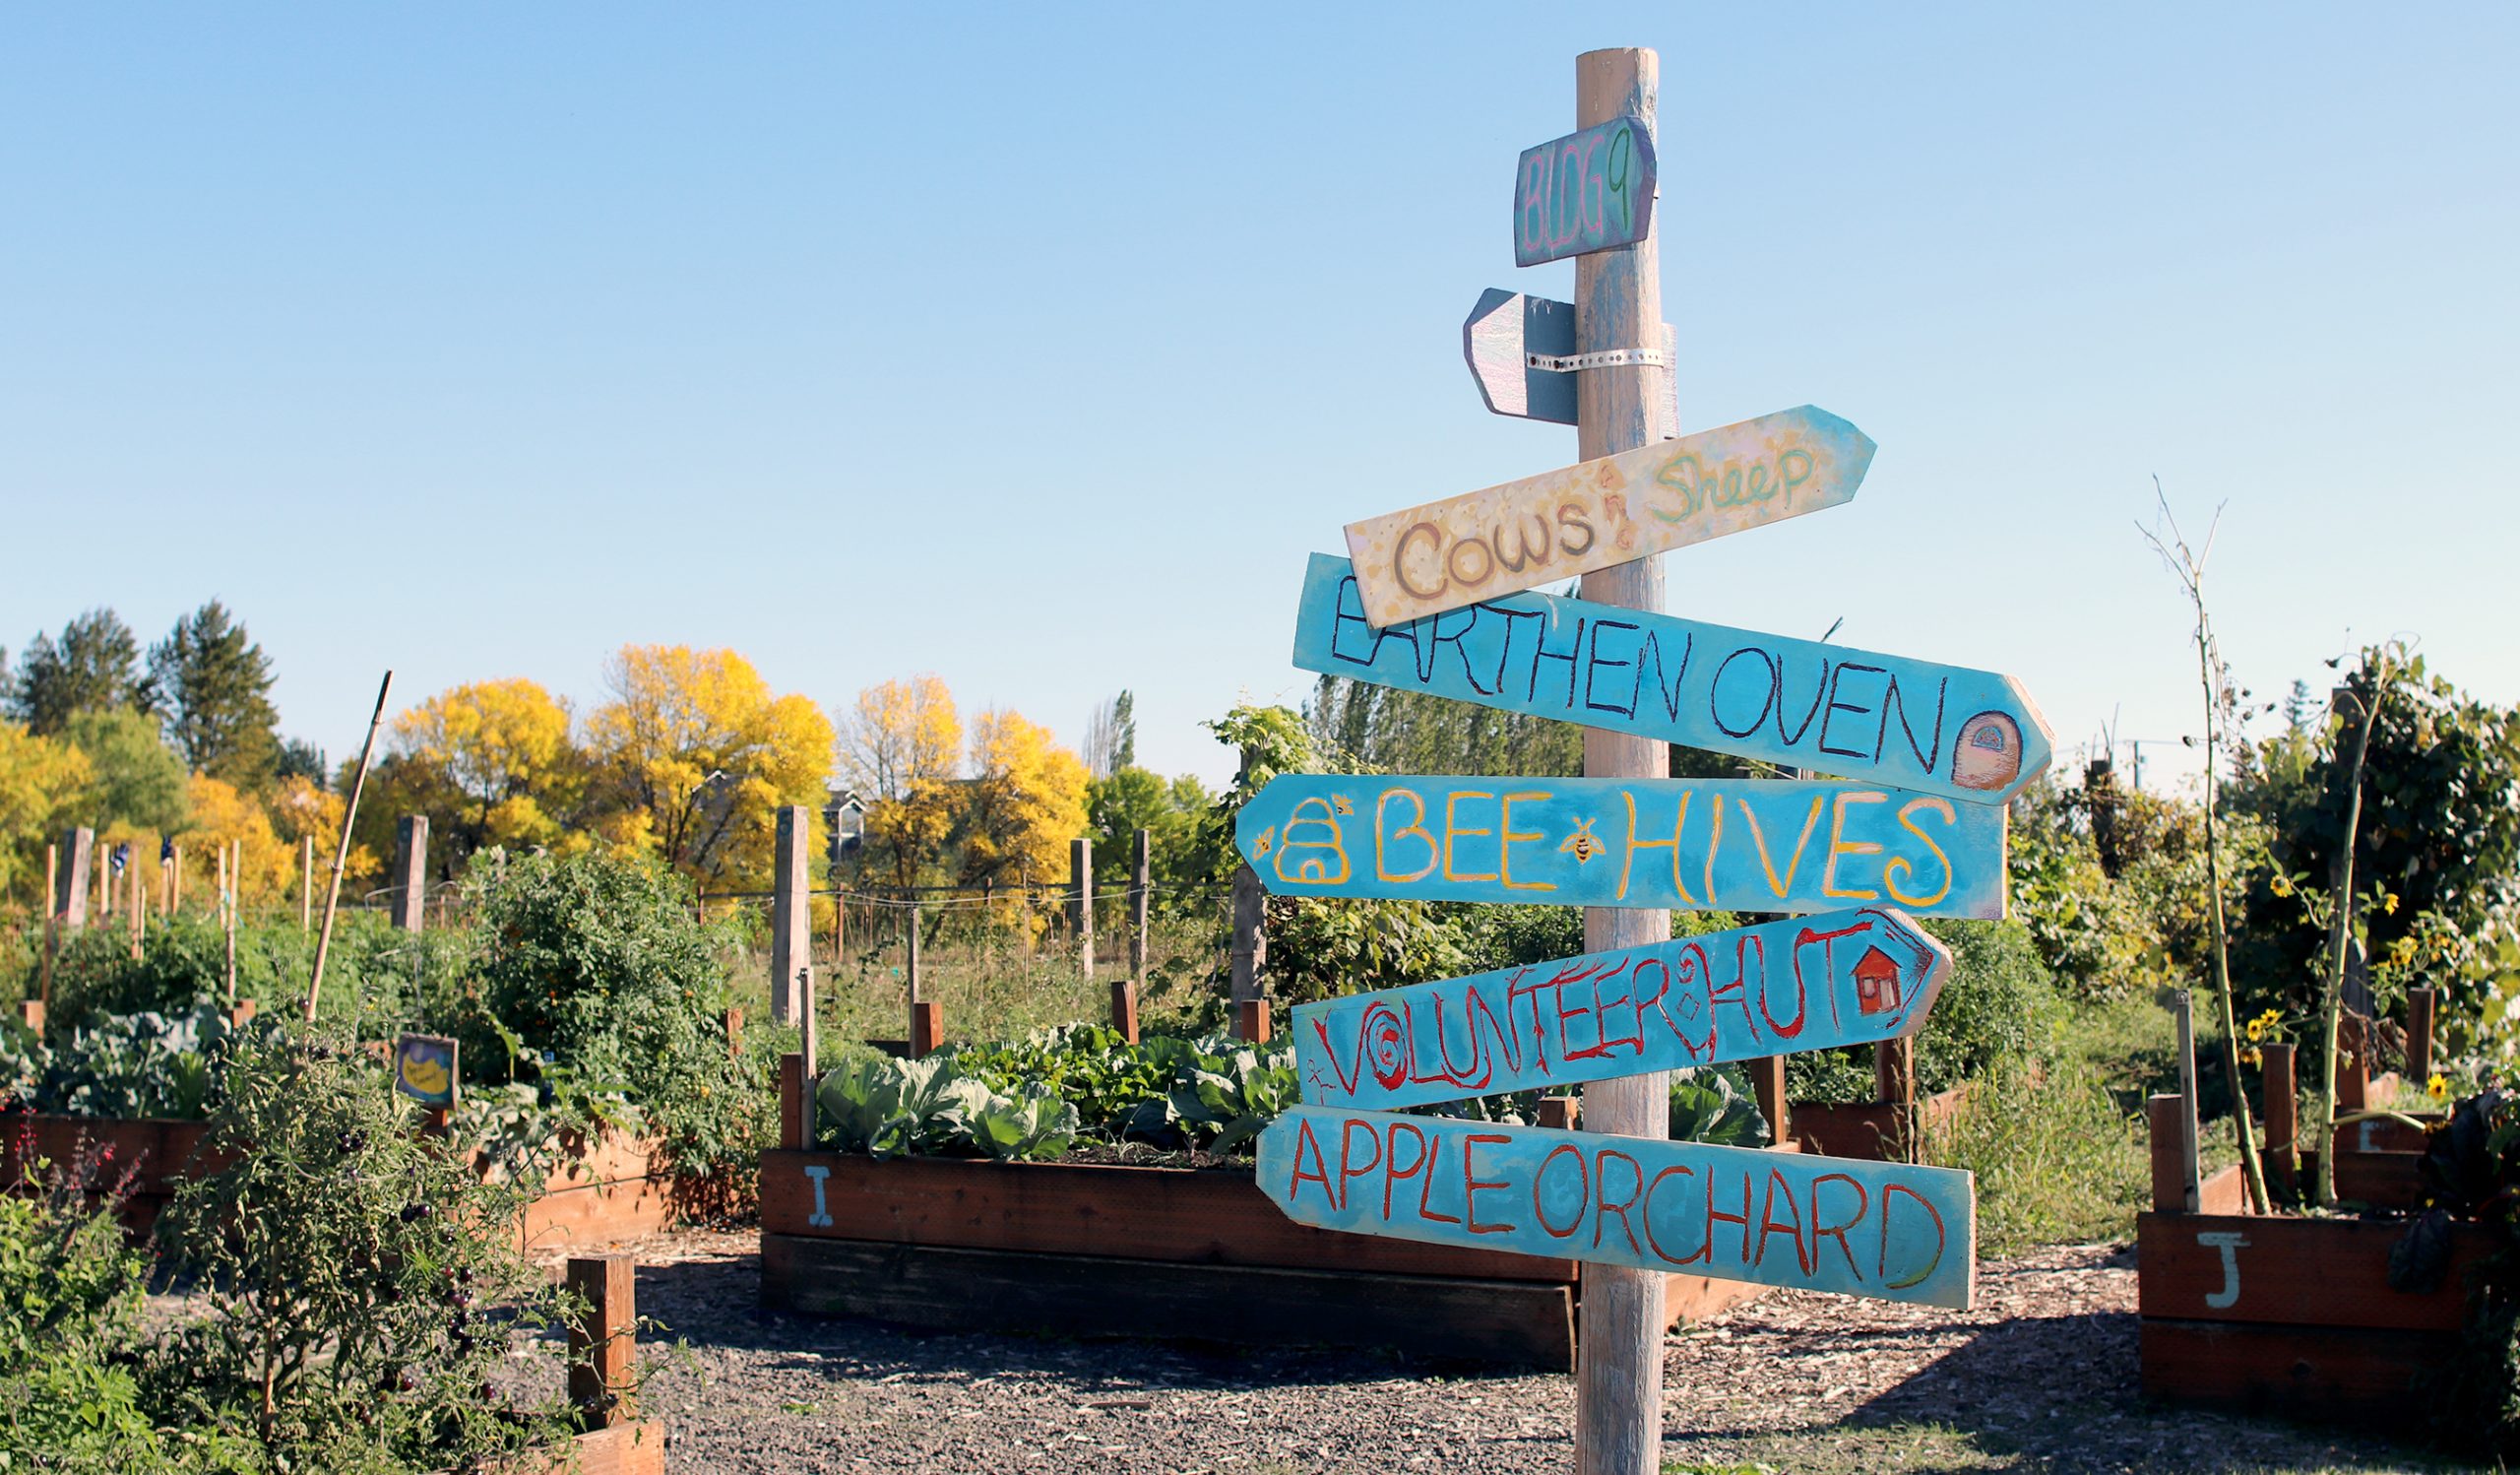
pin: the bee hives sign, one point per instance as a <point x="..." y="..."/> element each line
<point x="1597" y="514"/>
<point x="1755" y="845"/>
<point x="1815" y="983"/>
<point x="1947" y="730"/>
<point x="1589" y="191"/>
<point x="424" y="1068"/>
<point x="1887" y="1229"/>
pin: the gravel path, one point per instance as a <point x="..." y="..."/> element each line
<point x="2040" y="1377"/>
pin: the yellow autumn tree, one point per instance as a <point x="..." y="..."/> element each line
<point x="40" y="778"/>
<point x="693" y="755"/>
<point x="491" y="763"/>
<point x="301" y="812"/>
<point x="1025" y="802"/>
<point x="899" y="747"/>
<point x="220" y="813"/>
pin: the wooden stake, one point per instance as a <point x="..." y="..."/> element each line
<point x="2354" y="1063"/>
<point x="1141" y="887"/>
<point x="926" y="1028"/>
<point x="52" y="926"/>
<point x="1080" y="901"/>
<point x="1124" y="1009"/>
<point x="2190" y="1178"/>
<point x="2418" y="1036"/>
<point x="1618" y="304"/>
<point x="138" y="911"/>
<point x="411" y="879"/>
<point x="342" y="853"/>
<point x="913" y="954"/>
<point x="2278" y="1104"/>
<point x="1894" y="1083"/>
<point x="227" y="913"/>
<point x="790" y="917"/>
<point x="2161" y="1114"/>
<point x="603" y="1379"/>
<point x="175" y="883"/>
<point x="1767" y="1082"/>
<point x="1252" y="1021"/>
<point x="74" y="883"/>
<point x="305" y="884"/>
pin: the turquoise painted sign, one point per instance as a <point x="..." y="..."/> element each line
<point x="1893" y="1230"/>
<point x="1754" y="845"/>
<point x="1811" y="983"/>
<point x="1946" y="730"/>
<point x="1589" y="191"/>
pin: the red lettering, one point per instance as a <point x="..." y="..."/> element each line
<point x="1426" y="1185"/>
<point x="1393" y="1172"/>
<point x="1602" y="1207"/>
<point x="1704" y="1247"/>
<point x="1732" y="991"/>
<point x="1742" y="1218"/>
<point x="1583" y="1189"/>
<point x="1820" y="1228"/>
<point x="1940" y="1238"/>
<point x="1321" y="1169"/>
<point x="1347" y="1141"/>
<point x="1472" y="1186"/>
<point x="1828" y="964"/>
<point x="1768" y="1226"/>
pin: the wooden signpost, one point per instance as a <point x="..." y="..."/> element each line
<point x="1887" y="1229"/>
<point x="1590" y="191"/>
<point x="1969" y="734"/>
<point x="1817" y="983"/>
<point x="1521" y="350"/>
<point x="1763" y="845"/>
<point x="1600" y="513"/>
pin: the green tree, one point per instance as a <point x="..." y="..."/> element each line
<point x="134" y="781"/>
<point x="1134" y="799"/>
<point x="215" y="685"/>
<point x="95" y="664"/>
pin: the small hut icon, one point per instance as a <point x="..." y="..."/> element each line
<point x="1877" y="983"/>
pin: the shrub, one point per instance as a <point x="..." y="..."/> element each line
<point x="68" y="1398"/>
<point x="1998" y="1009"/>
<point x="359" y="1279"/>
<point x="595" y="982"/>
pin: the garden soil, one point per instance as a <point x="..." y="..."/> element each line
<point x="2040" y="1377"/>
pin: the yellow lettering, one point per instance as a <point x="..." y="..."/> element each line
<point x="1416" y="826"/>
<point x="1811" y="822"/>
<point x="1454" y="831"/>
<point x="1901" y="865"/>
<point x="1507" y="835"/>
<point x="1714" y="841"/>
<point x="1628" y="861"/>
<point x="1839" y="847"/>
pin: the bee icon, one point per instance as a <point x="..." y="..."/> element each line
<point x="1338" y="803"/>
<point x="1268" y="841"/>
<point x="1583" y="845"/>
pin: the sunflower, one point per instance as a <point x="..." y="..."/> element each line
<point x="2439" y="1088"/>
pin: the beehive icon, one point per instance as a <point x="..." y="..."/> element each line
<point x="1314" y="843"/>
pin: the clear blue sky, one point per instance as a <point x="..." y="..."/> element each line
<point x="1036" y="346"/>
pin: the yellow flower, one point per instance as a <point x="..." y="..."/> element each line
<point x="2250" y="1057"/>
<point x="2282" y="885"/>
<point x="2438" y="1088"/>
<point x="2257" y="1029"/>
<point x="2389" y="902"/>
<point x="2402" y="952"/>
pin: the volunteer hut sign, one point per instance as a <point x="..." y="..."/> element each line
<point x="1759" y="845"/>
<point x="1948" y="730"/>
<point x="1816" y="983"/>
<point x="1597" y="514"/>
<point x="1888" y="1230"/>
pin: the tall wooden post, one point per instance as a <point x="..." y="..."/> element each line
<point x="410" y="873"/>
<point x="2418" y="1036"/>
<point x="1141" y="887"/>
<point x="79" y="853"/>
<point x="2191" y="1180"/>
<point x="305" y="884"/>
<point x="1894" y="1084"/>
<point x="1618" y="304"/>
<point x="51" y="935"/>
<point x="1080" y="899"/>
<point x="139" y="907"/>
<point x="790" y="917"/>
<point x="175" y="883"/>
<point x="227" y="891"/>
<point x="913" y="953"/>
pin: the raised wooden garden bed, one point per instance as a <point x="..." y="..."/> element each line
<point x="1870" y="1129"/>
<point x="2286" y="1314"/>
<point x="1092" y="1250"/>
<point x="601" y="1190"/>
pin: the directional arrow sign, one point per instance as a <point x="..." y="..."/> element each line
<point x="1589" y="191"/>
<point x="1757" y="845"/>
<point x="1948" y="730"/>
<point x="1597" y="514"/>
<point x="1814" y="983"/>
<point x="1507" y="331"/>
<point x="1886" y="1230"/>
